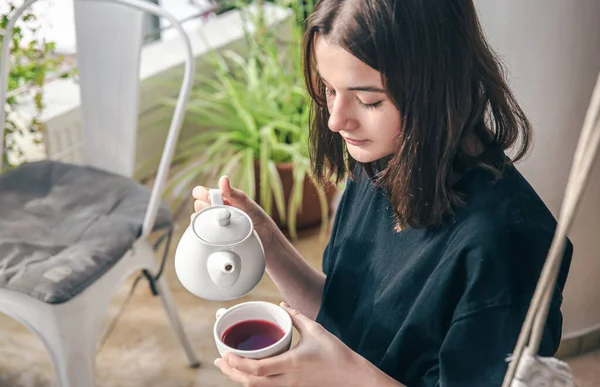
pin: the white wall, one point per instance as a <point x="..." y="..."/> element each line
<point x="56" y="19"/>
<point x="552" y="52"/>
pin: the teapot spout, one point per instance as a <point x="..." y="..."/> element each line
<point x="224" y="268"/>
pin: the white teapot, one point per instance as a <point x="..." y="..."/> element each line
<point x="220" y="256"/>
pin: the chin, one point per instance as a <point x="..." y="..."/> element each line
<point x="364" y="156"/>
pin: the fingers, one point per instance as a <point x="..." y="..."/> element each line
<point x="202" y="197"/>
<point x="270" y="366"/>
<point x="200" y="193"/>
<point x="233" y="374"/>
<point x="300" y="321"/>
<point x="244" y="378"/>
<point x="235" y="195"/>
<point x="199" y="205"/>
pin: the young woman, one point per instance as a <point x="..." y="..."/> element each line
<point x="438" y="241"/>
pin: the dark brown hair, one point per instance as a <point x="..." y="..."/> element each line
<point x="444" y="80"/>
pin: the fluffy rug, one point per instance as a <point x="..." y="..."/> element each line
<point x="140" y="351"/>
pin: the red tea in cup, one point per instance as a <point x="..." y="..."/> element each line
<point x="251" y="335"/>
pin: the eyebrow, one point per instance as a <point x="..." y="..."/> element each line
<point x="370" y="89"/>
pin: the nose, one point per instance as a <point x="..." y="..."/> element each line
<point x="340" y="117"/>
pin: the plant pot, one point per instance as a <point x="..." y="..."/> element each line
<point x="310" y="212"/>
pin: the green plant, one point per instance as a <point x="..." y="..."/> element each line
<point x="301" y="7"/>
<point x="31" y="62"/>
<point x="254" y="112"/>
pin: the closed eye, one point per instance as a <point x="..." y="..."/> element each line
<point x="330" y="92"/>
<point x="374" y="105"/>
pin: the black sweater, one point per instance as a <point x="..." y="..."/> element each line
<point x="440" y="306"/>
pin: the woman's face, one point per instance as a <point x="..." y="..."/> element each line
<point x="358" y="106"/>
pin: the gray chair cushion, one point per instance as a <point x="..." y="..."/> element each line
<point x="62" y="226"/>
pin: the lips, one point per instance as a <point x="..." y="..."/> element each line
<point x="355" y="142"/>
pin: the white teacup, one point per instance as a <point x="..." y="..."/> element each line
<point x="248" y="311"/>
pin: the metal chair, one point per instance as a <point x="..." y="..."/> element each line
<point x="70" y="234"/>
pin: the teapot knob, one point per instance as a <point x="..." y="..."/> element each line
<point x="223" y="216"/>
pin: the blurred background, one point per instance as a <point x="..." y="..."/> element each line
<point x="247" y="117"/>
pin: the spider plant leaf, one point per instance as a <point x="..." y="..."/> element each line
<point x="231" y="165"/>
<point x="183" y="155"/>
<point x="324" y="204"/>
<point x="235" y="57"/>
<point x="182" y="178"/>
<point x="215" y="120"/>
<point x="265" y="192"/>
<point x="204" y="137"/>
<point x="249" y="175"/>
<point x="277" y="190"/>
<point x="295" y="205"/>
<point x="252" y="110"/>
<point x="218" y="148"/>
<point x="244" y="114"/>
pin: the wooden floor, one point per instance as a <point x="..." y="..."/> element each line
<point x="141" y="351"/>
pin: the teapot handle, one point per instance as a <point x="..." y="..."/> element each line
<point x="216" y="199"/>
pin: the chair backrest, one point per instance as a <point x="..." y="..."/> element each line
<point x="109" y="39"/>
<point x="4" y="67"/>
<point x="109" y="42"/>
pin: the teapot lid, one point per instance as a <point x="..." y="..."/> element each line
<point x="222" y="225"/>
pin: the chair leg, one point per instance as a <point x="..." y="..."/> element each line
<point x="175" y="322"/>
<point x="69" y="332"/>
<point x="72" y="346"/>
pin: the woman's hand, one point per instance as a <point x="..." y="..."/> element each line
<point x="319" y="359"/>
<point x="263" y="224"/>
